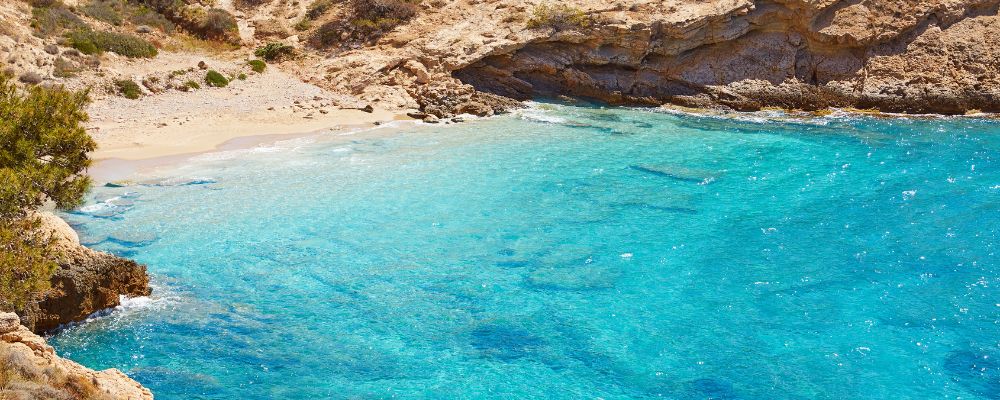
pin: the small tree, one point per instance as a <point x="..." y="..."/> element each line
<point x="43" y="152"/>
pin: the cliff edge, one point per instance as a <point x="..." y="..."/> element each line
<point x="30" y="369"/>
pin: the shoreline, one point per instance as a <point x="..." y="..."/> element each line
<point x="108" y="170"/>
<point x="117" y="160"/>
<point x="124" y="141"/>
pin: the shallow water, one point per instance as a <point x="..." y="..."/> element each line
<point x="567" y="253"/>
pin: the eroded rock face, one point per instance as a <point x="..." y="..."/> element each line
<point x="894" y="55"/>
<point x="45" y="375"/>
<point x="87" y="281"/>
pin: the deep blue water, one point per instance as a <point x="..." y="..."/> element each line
<point x="567" y="253"/>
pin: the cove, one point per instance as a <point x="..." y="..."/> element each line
<point x="566" y="252"/>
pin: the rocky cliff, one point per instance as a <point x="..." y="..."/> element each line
<point x="86" y="282"/>
<point x="30" y="369"/>
<point x="913" y="56"/>
<point x="479" y="56"/>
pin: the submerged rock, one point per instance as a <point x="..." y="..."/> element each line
<point x="677" y="173"/>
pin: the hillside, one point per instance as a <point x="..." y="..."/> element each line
<point x="467" y="56"/>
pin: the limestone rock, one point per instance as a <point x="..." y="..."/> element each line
<point x="8" y="323"/>
<point x="25" y="352"/>
<point x="86" y="282"/>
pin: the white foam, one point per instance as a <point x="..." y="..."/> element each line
<point x="539" y="113"/>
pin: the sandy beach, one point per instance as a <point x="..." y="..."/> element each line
<point x="174" y="123"/>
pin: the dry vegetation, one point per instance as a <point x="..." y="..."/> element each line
<point x="366" y="21"/>
<point x="21" y="378"/>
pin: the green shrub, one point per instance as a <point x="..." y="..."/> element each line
<point x="109" y="11"/>
<point x="128" y="89"/>
<point x="257" y="66"/>
<point x="241" y="76"/>
<point x="42" y="159"/>
<point x="26" y="265"/>
<point x="215" y="79"/>
<point x="54" y="20"/>
<point x="93" y="42"/>
<point x="46" y="149"/>
<point x="559" y="17"/>
<point x="273" y="51"/>
<point x="192" y="85"/>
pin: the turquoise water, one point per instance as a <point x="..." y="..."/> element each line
<point x="566" y="253"/>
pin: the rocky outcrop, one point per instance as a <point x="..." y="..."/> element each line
<point x="86" y="282"/>
<point x="30" y="369"/>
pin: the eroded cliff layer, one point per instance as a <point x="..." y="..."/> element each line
<point x="899" y="56"/>
<point x="895" y="55"/>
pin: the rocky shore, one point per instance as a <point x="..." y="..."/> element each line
<point x="86" y="282"/>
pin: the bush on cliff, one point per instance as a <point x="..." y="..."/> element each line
<point x="54" y="19"/>
<point x="95" y="42"/>
<point x="257" y="66"/>
<point x="559" y="17"/>
<point x="273" y="51"/>
<point x="128" y="89"/>
<point x="43" y="153"/>
<point x="218" y="24"/>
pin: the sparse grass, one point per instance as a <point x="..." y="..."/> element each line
<point x="192" y="85"/>
<point x="187" y="43"/>
<point x="249" y="3"/>
<point x="95" y="42"/>
<point x="109" y="11"/>
<point x="273" y="51"/>
<point x="318" y="8"/>
<point x="128" y="89"/>
<point x="31" y="78"/>
<point x="143" y="15"/>
<point x="215" y="79"/>
<point x="21" y="378"/>
<point x="53" y="20"/>
<point x="303" y="25"/>
<point x="368" y="21"/>
<point x="559" y="17"/>
<point x="218" y="24"/>
<point x="63" y="68"/>
<point x="327" y="34"/>
<point x="400" y="10"/>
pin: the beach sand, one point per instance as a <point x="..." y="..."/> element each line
<point x="174" y="123"/>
